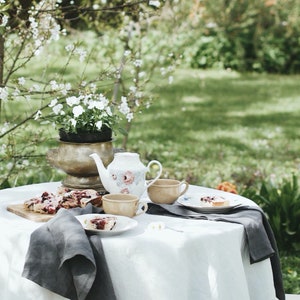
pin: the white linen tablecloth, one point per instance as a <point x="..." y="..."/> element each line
<point x="204" y="260"/>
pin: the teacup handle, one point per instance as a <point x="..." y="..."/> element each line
<point x="182" y="183"/>
<point x="142" y="208"/>
<point x="158" y="173"/>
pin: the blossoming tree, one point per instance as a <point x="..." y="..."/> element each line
<point x="33" y="88"/>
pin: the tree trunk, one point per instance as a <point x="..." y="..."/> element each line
<point x="2" y="40"/>
<point x="1" y="59"/>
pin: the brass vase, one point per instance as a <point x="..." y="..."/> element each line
<point x="74" y="160"/>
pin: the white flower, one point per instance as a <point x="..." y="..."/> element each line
<point x="103" y="99"/>
<point x="155" y="3"/>
<point x="57" y="109"/>
<point x="4" y="128"/>
<point x="68" y="86"/>
<point x="25" y="162"/>
<point x="92" y="104"/>
<point x="73" y="122"/>
<point x="99" y="124"/>
<point x="138" y="62"/>
<point x="127" y="53"/>
<point x="123" y="107"/>
<point x="9" y="166"/>
<point x="71" y="101"/>
<point x="53" y="102"/>
<point x="33" y="23"/>
<point x="64" y="88"/>
<point x="141" y="74"/>
<point x="54" y="85"/>
<point x="37" y="115"/>
<point x="93" y="87"/>
<point x="82" y="54"/>
<point x="129" y="117"/>
<point x="4" y="21"/>
<point x="16" y="92"/>
<point x="3" y="93"/>
<point x="77" y="111"/>
<point x="163" y="71"/>
<point x="108" y="111"/>
<point x="139" y="94"/>
<point x="55" y="31"/>
<point x="21" y="80"/>
<point x="70" y="48"/>
<point x="132" y="89"/>
<point x="38" y="43"/>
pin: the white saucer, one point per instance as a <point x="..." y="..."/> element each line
<point x="123" y="224"/>
<point x="194" y="203"/>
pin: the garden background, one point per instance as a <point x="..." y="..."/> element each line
<point x="220" y="94"/>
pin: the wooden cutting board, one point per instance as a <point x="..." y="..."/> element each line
<point x="20" y="210"/>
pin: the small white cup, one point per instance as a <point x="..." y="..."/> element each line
<point x="127" y="205"/>
<point x="166" y="191"/>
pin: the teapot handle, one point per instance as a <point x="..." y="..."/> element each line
<point x="158" y="173"/>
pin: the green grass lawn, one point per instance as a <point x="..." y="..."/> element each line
<point x="212" y="126"/>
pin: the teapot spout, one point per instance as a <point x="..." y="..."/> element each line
<point x="103" y="173"/>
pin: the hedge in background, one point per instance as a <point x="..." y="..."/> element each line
<point x="249" y="35"/>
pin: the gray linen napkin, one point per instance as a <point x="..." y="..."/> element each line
<point x="63" y="259"/>
<point x="259" y="235"/>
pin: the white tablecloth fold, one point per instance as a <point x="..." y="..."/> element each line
<point x="259" y="235"/>
<point x="63" y="259"/>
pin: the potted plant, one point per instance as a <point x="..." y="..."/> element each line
<point x="84" y="118"/>
<point x="85" y="123"/>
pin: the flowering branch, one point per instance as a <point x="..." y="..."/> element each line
<point x="105" y="97"/>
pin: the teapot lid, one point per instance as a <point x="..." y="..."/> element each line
<point x="132" y="154"/>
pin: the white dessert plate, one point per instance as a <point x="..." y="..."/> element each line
<point x="194" y="203"/>
<point x="123" y="224"/>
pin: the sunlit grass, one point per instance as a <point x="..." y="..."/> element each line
<point x="212" y="126"/>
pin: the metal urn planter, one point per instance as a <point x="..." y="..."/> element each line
<point x="74" y="160"/>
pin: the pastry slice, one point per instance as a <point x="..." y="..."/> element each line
<point x="101" y="223"/>
<point x="213" y="201"/>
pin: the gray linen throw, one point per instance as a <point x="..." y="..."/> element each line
<point x="63" y="259"/>
<point x="259" y="235"/>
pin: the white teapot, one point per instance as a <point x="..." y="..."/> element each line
<point x="125" y="174"/>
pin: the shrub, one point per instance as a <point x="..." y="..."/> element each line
<point x="249" y="35"/>
<point x="281" y="203"/>
<point x="291" y="273"/>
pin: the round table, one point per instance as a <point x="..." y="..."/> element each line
<point x="188" y="260"/>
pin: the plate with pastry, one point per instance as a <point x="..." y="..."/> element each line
<point x="105" y="224"/>
<point x="209" y="203"/>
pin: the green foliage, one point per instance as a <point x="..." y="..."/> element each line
<point x="281" y="203"/>
<point x="291" y="272"/>
<point x="249" y="35"/>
